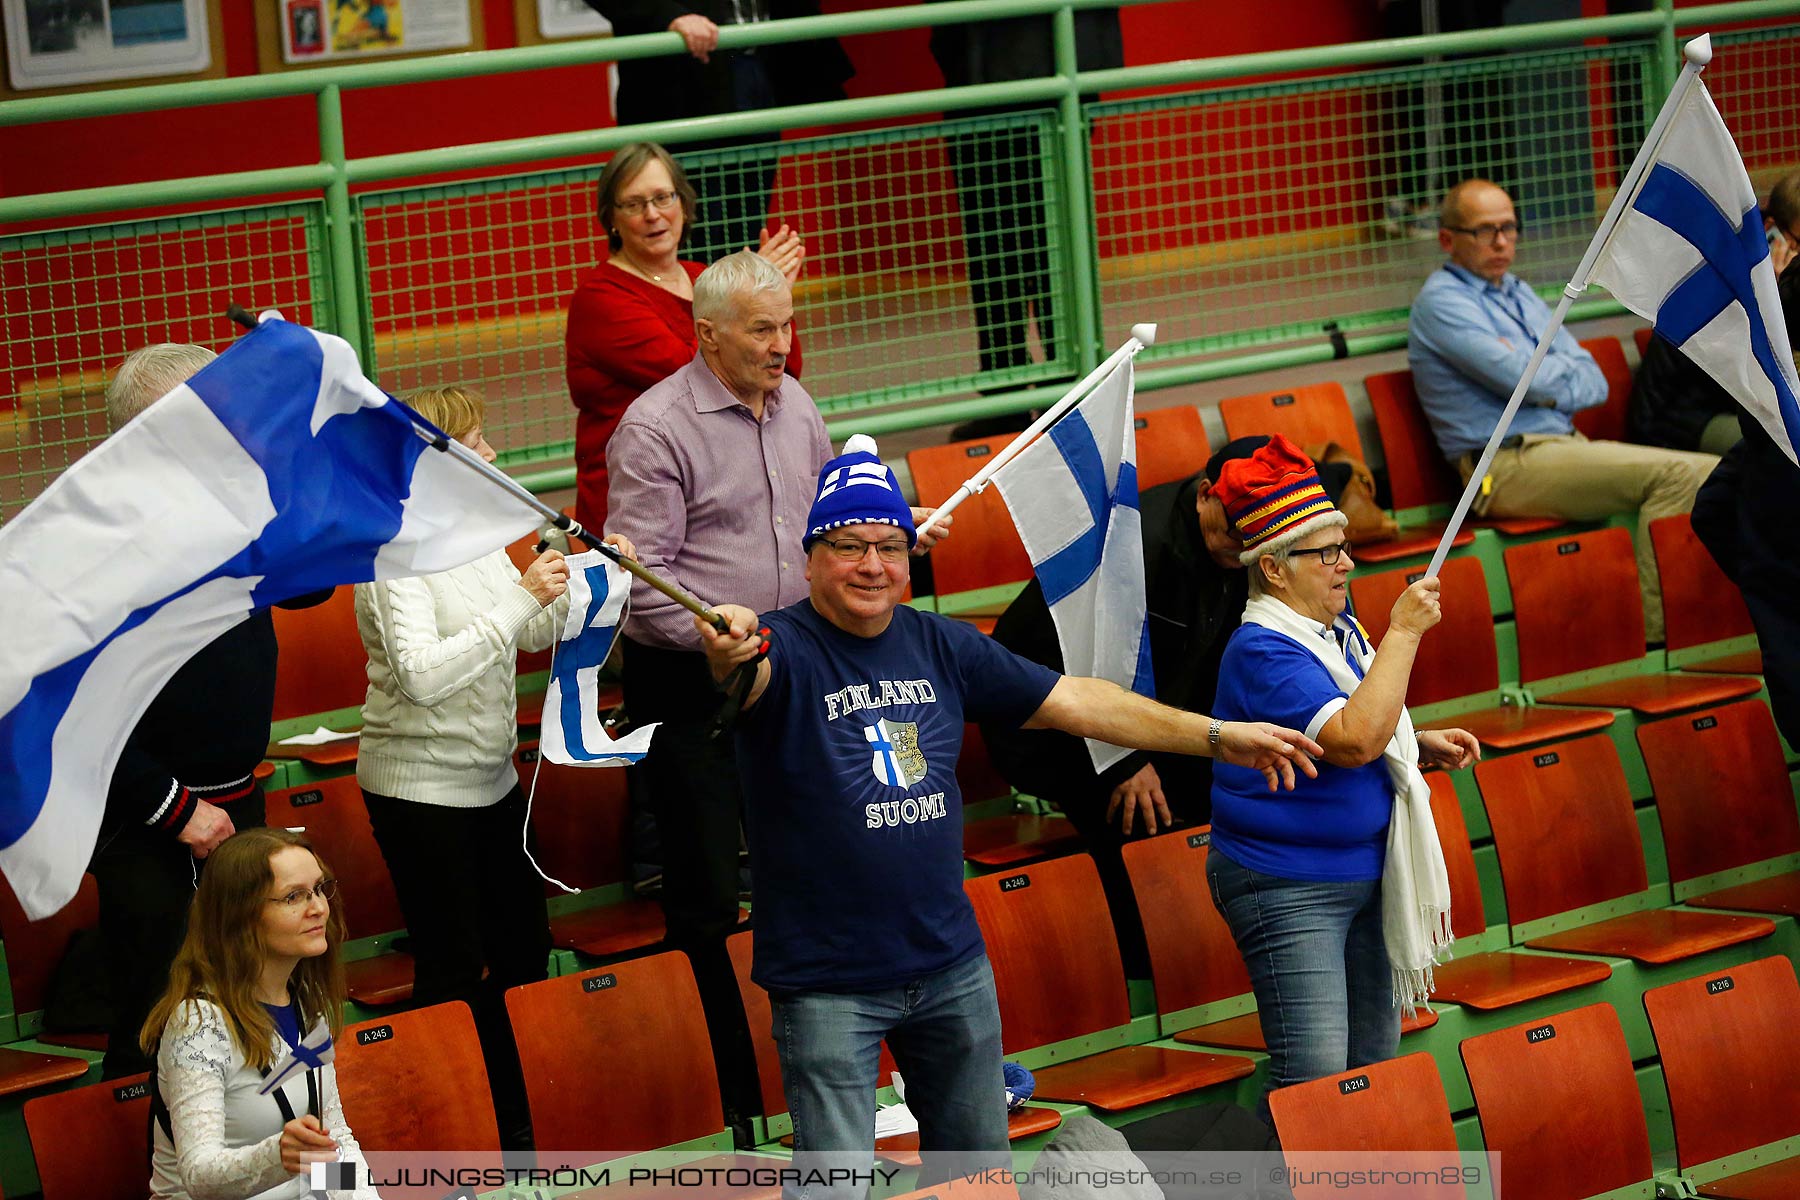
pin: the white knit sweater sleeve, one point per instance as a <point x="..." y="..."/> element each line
<point x="428" y="667"/>
<point x="332" y="1114"/>
<point x="192" y="1067"/>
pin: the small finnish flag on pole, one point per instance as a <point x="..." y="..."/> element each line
<point x="573" y="733"/>
<point x="315" y="1050"/>
<point x="1073" y="494"/>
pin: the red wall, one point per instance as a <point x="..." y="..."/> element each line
<point x="127" y="149"/>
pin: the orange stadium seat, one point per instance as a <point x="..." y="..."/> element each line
<point x="1726" y="802"/>
<point x="1010" y="838"/>
<point x="1576" y="607"/>
<point x="93" y="1142"/>
<point x="582" y="817"/>
<point x="1193" y="960"/>
<point x="638" y="1027"/>
<point x="1700" y="604"/>
<point x="1316" y="413"/>
<point x="1059" y="976"/>
<point x="323" y="665"/>
<point x="1395" y="1107"/>
<point x="34" y="949"/>
<point x="1494" y="978"/>
<point x="1642" y="338"/>
<point x="1559" y="1105"/>
<point x="1171" y="445"/>
<point x="1418" y="473"/>
<point x="1606" y="422"/>
<point x="1306" y="415"/>
<point x="415" y="1082"/>
<point x="332" y="813"/>
<point x="985" y="550"/>
<point x="1578" y="789"/>
<point x="1460" y="659"/>
<point x="1730" y="1050"/>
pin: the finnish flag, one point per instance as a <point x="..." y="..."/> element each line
<point x="1073" y="495"/>
<point x="313" y="1052"/>
<point x="1689" y="254"/>
<point x="572" y="732"/>
<point x="276" y="470"/>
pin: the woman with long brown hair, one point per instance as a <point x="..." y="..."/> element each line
<point x="257" y="976"/>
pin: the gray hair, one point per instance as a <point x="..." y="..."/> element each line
<point x="150" y="373"/>
<point x="722" y="286"/>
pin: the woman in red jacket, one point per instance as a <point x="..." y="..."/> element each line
<point x="631" y="319"/>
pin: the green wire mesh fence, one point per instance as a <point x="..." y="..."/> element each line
<point x="934" y="255"/>
<point x="75" y="302"/>
<point x="1254" y="216"/>
<point x="1241" y="218"/>
<point x="1753" y="78"/>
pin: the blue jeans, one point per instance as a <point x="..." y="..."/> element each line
<point x="1318" y="966"/>
<point x="944" y="1033"/>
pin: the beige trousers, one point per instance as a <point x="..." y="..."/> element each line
<point x="1578" y="480"/>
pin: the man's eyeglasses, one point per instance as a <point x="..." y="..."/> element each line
<point x="1487" y="235"/>
<point x="297" y="899"/>
<point x="1328" y="555"/>
<point x="660" y="201"/>
<point x="853" y="550"/>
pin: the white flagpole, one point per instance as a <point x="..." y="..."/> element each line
<point x="1697" y="53"/>
<point x="1141" y="336"/>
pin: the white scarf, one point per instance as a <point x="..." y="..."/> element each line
<point x="1415" y="885"/>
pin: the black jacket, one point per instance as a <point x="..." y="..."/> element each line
<point x="208" y="726"/>
<point x="1672" y="400"/>
<point x="1024" y="48"/>
<point x="1194" y="604"/>
<point x="664" y="89"/>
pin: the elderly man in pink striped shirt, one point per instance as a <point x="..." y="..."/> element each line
<point x="712" y="472"/>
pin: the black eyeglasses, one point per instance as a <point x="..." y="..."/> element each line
<point x="1328" y="555"/>
<point x="325" y="889"/>
<point x="1487" y="235"/>
<point x="854" y="549"/>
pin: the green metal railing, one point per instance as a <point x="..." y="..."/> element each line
<point x="1268" y="213"/>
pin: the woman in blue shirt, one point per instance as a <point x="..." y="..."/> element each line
<point x="1336" y="893"/>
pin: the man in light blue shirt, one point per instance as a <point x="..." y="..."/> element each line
<point x="1473" y="329"/>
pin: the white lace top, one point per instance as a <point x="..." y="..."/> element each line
<point x="227" y="1143"/>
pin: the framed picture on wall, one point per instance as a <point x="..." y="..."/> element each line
<point x="69" y="43"/>
<point x="340" y="30"/>
<point x="305" y="33"/>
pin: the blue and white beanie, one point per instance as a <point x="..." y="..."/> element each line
<point x="856" y="488"/>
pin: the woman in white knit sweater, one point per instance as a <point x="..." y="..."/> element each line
<point x="440" y="724"/>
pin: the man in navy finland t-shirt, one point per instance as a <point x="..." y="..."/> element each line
<point x="847" y="747"/>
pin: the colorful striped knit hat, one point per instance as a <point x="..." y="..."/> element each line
<point x="1274" y="498"/>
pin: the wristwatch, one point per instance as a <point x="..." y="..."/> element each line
<point x="1216" y="731"/>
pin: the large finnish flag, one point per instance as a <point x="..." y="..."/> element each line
<point x="1689" y="254"/>
<point x="572" y="732"/>
<point x="276" y="470"/>
<point x="1073" y="495"/>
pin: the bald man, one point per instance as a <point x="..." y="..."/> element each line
<point x="1474" y="326"/>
